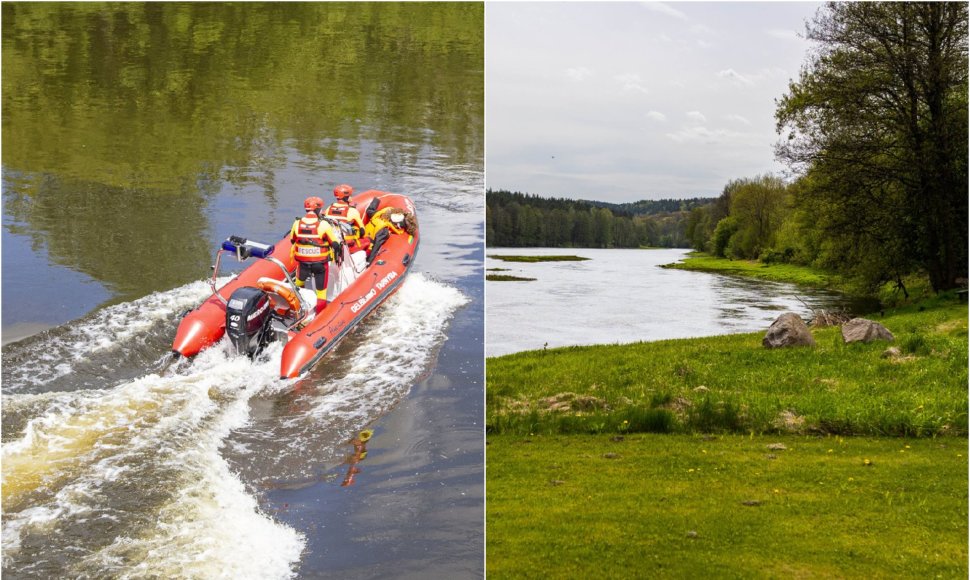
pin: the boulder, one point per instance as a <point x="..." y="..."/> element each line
<point x="788" y="330"/>
<point x="862" y="330"/>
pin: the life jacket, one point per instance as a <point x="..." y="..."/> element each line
<point x="382" y="220"/>
<point x="311" y="239"/>
<point x="345" y="212"/>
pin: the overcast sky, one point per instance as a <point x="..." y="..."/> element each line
<point x="636" y="100"/>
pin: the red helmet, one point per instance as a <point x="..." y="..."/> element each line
<point x="313" y="204"/>
<point x="343" y="192"/>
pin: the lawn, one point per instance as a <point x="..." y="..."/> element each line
<point x="726" y="506"/>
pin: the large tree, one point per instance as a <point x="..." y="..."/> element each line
<point x="878" y="120"/>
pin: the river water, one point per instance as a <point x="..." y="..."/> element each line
<point x="623" y="296"/>
<point x="136" y="138"/>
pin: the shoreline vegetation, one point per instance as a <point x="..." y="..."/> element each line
<point x="731" y="383"/>
<point x="888" y="295"/>
<point x="790" y="273"/>
<point x="534" y="259"/>
<point x="507" y="278"/>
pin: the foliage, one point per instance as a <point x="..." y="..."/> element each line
<point x="877" y="122"/>
<point x="725" y="230"/>
<point x="514" y="219"/>
<point x="758" y="206"/>
<point x="681" y="506"/>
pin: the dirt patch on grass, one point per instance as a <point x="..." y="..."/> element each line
<point x="951" y="326"/>
<point x="788" y="422"/>
<point x="566" y="402"/>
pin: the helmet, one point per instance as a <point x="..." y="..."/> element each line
<point x="343" y="192"/>
<point x="313" y="204"/>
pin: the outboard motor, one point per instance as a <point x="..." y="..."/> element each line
<point x="248" y="315"/>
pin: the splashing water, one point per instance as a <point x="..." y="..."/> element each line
<point x="114" y="333"/>
<point x="130" y="480"/>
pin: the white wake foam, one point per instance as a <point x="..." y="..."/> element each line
<point x="160" y="433"/>
<point x="164" y="433"/>
<point x="109" y="329"/>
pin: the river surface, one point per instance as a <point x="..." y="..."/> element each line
<point x="623" y="296"/>
<point x="136" y="138"/>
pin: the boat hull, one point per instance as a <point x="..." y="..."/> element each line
<point x="377" y="283"/>
<point x="206" y="324"/>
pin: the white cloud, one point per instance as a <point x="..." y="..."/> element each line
<point x="735" y="76"/>
<point x="698" y="134"/>
<point x="666" y="9"/>
<point x="701" y="29"/>
<point x="578" y="74"/>
<point x="550" y="94"/>
<point x="632" y="82"/>
<point x="784" y="34"/>
<point x="696" y="116"/>
<point x="704" y="44"/>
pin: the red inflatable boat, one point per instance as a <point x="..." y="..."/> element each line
<point x="263" y="304"/>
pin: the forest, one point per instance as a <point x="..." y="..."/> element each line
<point x="515" y="219"/>
<point x="874" y="131"/>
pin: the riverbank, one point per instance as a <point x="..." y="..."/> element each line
<point x="731" y="383"/>
<point x="889" y="295"/>
<point x="790" y="273"/>
<point x="714" y="455"/>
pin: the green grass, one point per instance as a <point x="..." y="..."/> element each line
<point x="732" y="384"/>
<point x="803" y="275"/>
<point x="687" y="506"/>
<point x="506" y="278"/>
<point x="532" y="259"/>
<point x="918" y="287"/>
<point x="497" y="269"/>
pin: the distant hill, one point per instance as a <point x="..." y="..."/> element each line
<point x="652" y="206"/>
<point x="515" y="219"/>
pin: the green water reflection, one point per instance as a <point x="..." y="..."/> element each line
<point x="121" y="121"/>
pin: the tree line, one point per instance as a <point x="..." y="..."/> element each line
<point x="514" y="219"/>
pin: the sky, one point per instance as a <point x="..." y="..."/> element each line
<point x="623" y="101"/>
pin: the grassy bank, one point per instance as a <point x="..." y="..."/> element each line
<point x="533" y="259"/>
<point x="790" y="273"/>
<point x="506" y="278"/>
<point x="683" y="506"/>
<point x="918" y="288"/>
<point x="732" y="384"/>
